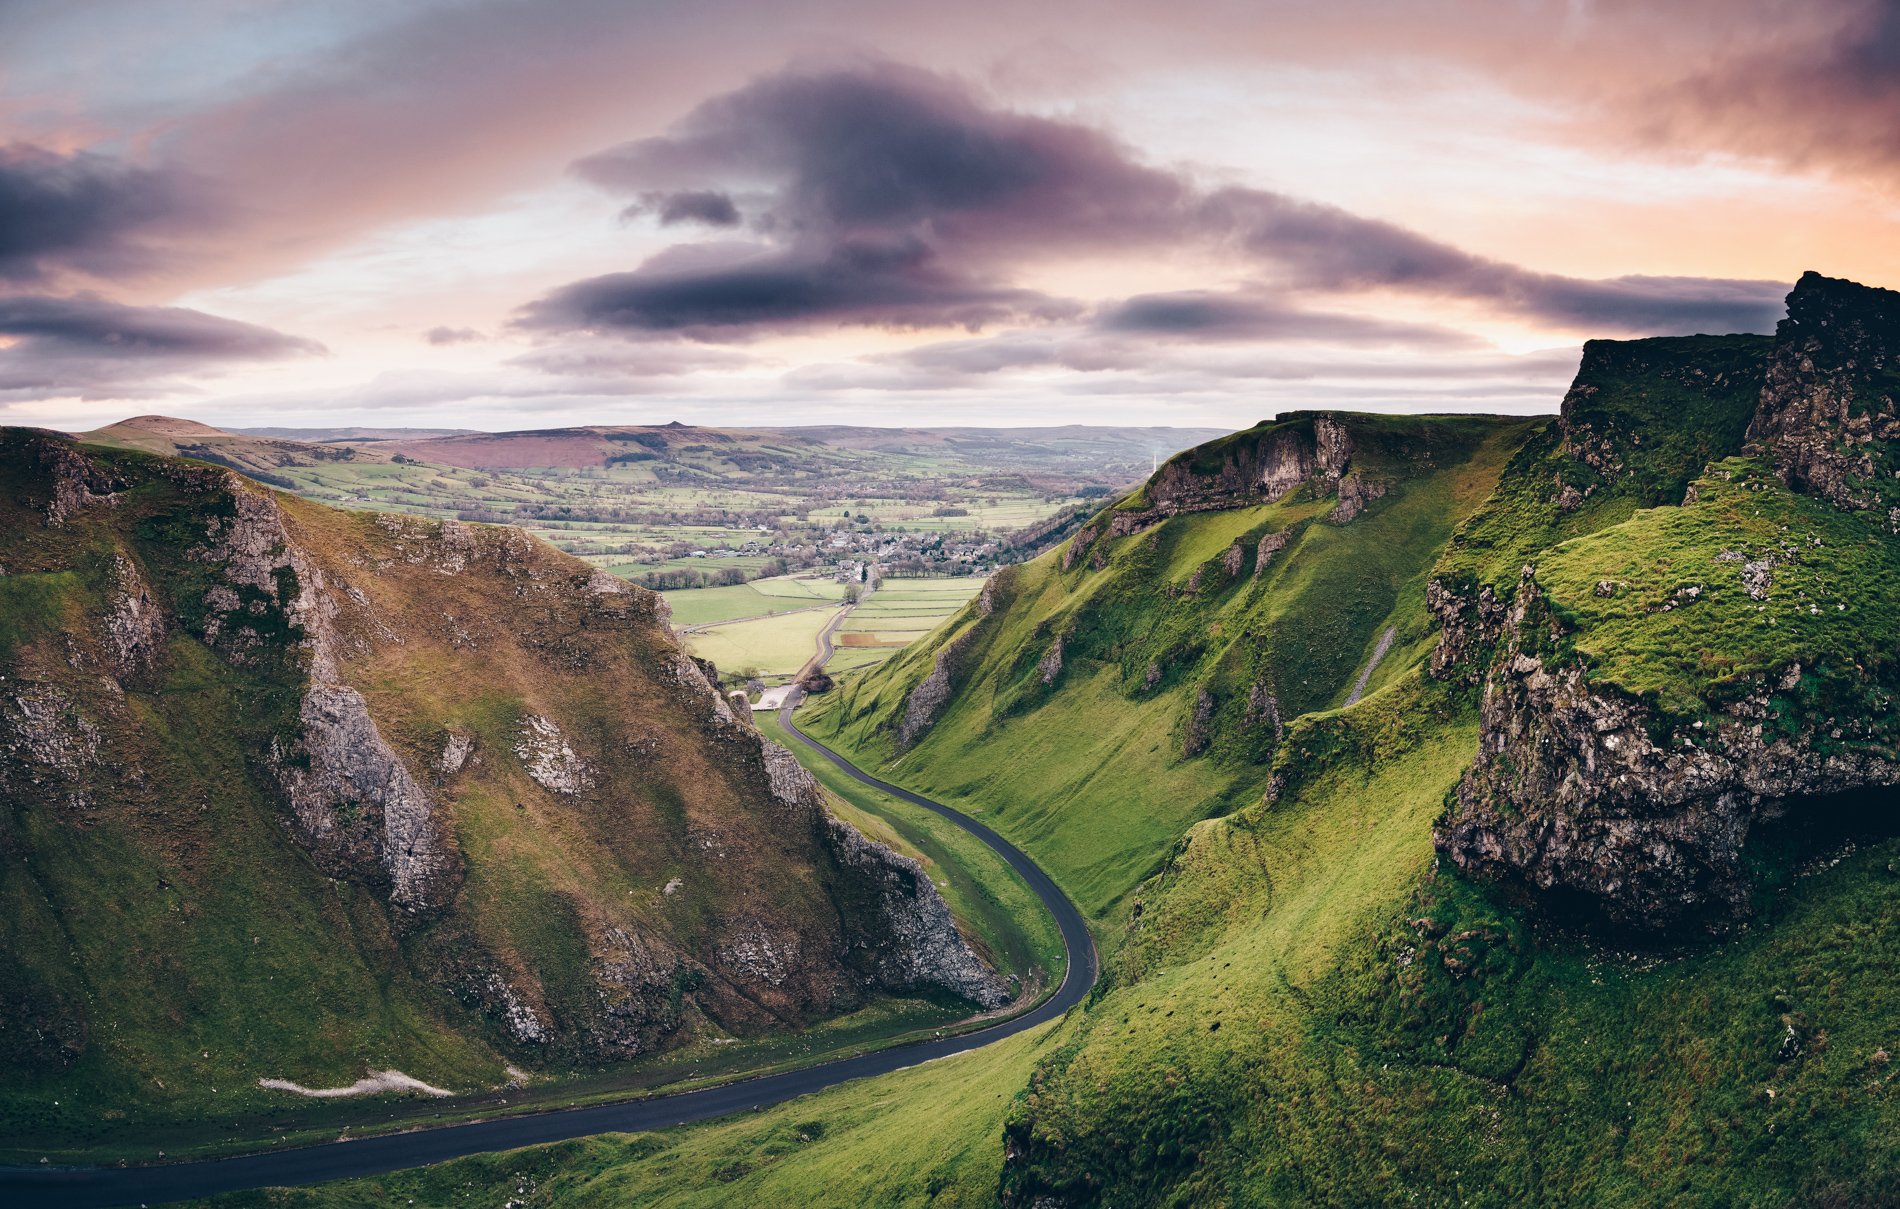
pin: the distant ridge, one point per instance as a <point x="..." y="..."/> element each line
<point x="355" y="434"/>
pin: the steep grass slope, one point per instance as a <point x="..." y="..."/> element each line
<point x="1095" y="703"/>
<point x="294" y="793"/>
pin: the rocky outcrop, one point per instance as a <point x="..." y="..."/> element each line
<point x="928" y="952"/>
<point x="1270" y="545"/>
<point x="1312" y="448"/>
<point x="548" y="758"/>
<point x="46" y="744"/>
<point x="135" y="624"/>
<point x="77" y="482"/>
<point x="1468" y="622"/>
<point x="1354" y="493"/>
<point x="1051" y="665"/>
<point x="1077" y="544"/>
<point x="1585" y="789"/>
<point x="1198" y="729"/>
<point x="1827" y="416"/>
<point x="341" y="778"/>
<point x="927" y="701"/>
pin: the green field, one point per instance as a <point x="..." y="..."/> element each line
<point x="775" y="646"/>
<point x="697" y="606"/>
<point x="901" y="611"/>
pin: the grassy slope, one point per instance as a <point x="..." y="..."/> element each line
<point x="1834" y="601"/>
<point x="1309" y="1013"/>
<point x="1113" y="787"/>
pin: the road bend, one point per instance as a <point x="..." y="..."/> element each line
<point x="106" y="1187"/>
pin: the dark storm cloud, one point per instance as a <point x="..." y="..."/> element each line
<point x="1326" y="248"/>
<point x="93" y="348"/>
<point x="892" y="196"/>
<point x="708" y="206"/>
<point x="80" y="211"/>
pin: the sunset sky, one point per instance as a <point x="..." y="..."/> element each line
<point x="526" y="213"/>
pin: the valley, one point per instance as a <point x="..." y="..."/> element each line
<point x="1466" y="810"/>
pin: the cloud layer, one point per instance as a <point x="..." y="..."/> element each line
<point x="886" y="195"/>
<point x="83" y="212"/>
<point x="89" y="347"/>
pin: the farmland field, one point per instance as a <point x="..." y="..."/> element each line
<point x="776" y="646"/>
<point x="900" y="612"/>
<point x="697" y="606"/>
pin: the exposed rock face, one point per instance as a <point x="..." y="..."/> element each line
<point x="1261" y="706"/>
<point x="1285" y="462"/>
<point x="351" y="769"/>
<point x="1582" y="789"/>
<point x="77" y="482"/>
<point x="455" y="753"/>
<point x="929" y="951"/>
<point x="1051" y="665"/>
<point x="549" y="760"/>
<point x="136" y="624"/>
<point x="1466" y="624"/>
<point x="1196" y="735"/>
<point x="1827" y="416"/>
<point x="1354" y="492"/>
<point x="1270" y="545"/>
<point x="46" y="741"/>
<point x="1305" y="448"/>
<point x="1077" y="545"/>
<point x="927" y="701"/>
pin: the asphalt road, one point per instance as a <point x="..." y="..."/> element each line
<point x="103" y="1187"/>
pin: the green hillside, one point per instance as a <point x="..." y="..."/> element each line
<point x="1470" y="812"/>
<point x="306" y="795"/>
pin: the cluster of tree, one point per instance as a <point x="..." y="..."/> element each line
<point x="670" y="579"/>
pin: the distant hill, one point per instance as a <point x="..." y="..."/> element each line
<point x="352" y="434"/>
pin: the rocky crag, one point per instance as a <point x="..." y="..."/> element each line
<point x="1652" y="692"/>
<point x="441" y="759"/>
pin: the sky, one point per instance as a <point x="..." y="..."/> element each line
<point x="501" y="214"/>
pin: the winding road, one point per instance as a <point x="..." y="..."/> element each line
<point x="103" y="1187"/>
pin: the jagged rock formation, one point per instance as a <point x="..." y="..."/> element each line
<point x="927" y="701"/>
<point x="1588" y="790"/>
<point x="339" y="766"/>
<point x="1641" y="806"/>
<point x="930" y="954"/>
<point x="202" y="666"/>
<point x="1827" y="417"/>
<point x="1261" y="465"/>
